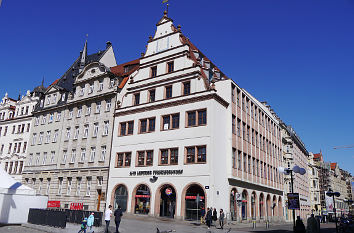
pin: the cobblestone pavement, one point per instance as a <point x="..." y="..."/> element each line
<point x="149" y="225"/>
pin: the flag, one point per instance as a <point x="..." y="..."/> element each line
<point x="164" y="1"/>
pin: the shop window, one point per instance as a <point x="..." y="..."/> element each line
<point x="194" y="202"/>
<point x="169" y="156"/>
<point x="142" y="200"/>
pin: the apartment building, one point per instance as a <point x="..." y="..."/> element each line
<point x="295" y="153"/>
<point x="15" y="125"/>
<point x="69" y="151"/>
<point x="314" y="184"/>
<point x="187" y="137"/>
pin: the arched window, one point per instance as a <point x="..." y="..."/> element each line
<point x="121" y="197"/>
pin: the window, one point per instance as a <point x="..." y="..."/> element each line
<point x="233" y="158"/>
<point x="60" y="186"/>
<point x="67" y="135"/>
<point x="91" y="88"/>
<point x="126" y="128"/>
<point x="196" y="154"/>
<point x="48" y="99"/>
<point x="170" y="121"/>
<point x="193" y="120"/>
<point x="47" y="140"/>
<point x="170" y="67"/>
<point x="147" y="125"/>
<point x="168" y="92"/>
<point x="103" y="153"/>
<point x="73" y="156"/>
<point x="81" y="93"/>
<point x="111" y="83"/>
<point x="145" y="158"/>
<point x="93" y="154"/>
<point x="257" y="167"/>
<point x="88" y="186"/>
<point x="55" y="136"/>
<point x="152" y="95"/>
<point x="238" y="127"/>
<point x="78" y="186"/>
<point x="48" y="187"/>
<point x="29" y="163"/>
<point x="105" y="128"/>
<point x="76" y="133"/>
<point x="169" y="156"/>
<point x="45" y="155"/>
<point x="108" y="105"/>
<point x="88" y="110"/>
<point x="123" y="159"/>
<point x="239" y="155"/>
<point x="24" y="147"/>
<point x="244" y="162"/>
<point x="70" y="113"/>
<point x="248" y="134"/>
<point x="233" y="124"/>
<point x="52" y="156"/>
<point x="40" y="139"/>
<point x="79" y="111"/>
<point x="68" y="190"/>
<point x="51" y="116"/>
<point x="153" y="72"/>
<point x="83" y="155"/>
<point x="86" y="129"/>
<point x="233" y="88"/>
<point x="28" y="128"/>
<point x="136" y="98"/>
<point x="100" y="85"/>
<point x="244" y="131"/>
<point x="186" y="88"/>
<point x="58" y="116"/>
<point x="98" y="107"/>
<point x="95" y="130"/>
<point x="10" y="145"/>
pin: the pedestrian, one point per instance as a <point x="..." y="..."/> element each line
<point x="208" y="217"/>
<point x="312" y="225"/>
<point x="118" y="213"/>
<point x="299" y="226"/>
<point x="221" y="218"/>
<point x="202" y="215"/>
<point x="90" y="221"/>
<point x="83" y="226"/>
<point x="215" y="215"/>
<point x="107" y="217"/>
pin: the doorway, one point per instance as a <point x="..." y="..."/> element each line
<point x="167" y="201"/>
<point x="195" y="202"/>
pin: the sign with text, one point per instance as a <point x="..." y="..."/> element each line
<point x="77" y="206"/>
<point x="156" y="172"/>
<point x="293" y="201"/>
<point x="53" y="204"/>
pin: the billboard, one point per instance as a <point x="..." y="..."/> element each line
<point x="329" y="203"/>
<point x="293" y="201"/>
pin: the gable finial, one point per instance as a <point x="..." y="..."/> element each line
<point x="166" y="11"/>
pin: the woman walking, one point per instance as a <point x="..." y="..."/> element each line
<point x="221" y="218"/>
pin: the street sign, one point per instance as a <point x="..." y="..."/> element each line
<point x="293" y="201"/>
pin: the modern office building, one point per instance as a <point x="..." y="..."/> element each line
<point x="187" y="137"/>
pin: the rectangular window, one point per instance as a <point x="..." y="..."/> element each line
<point x="244" y="162"/>
<point x="51" y="116"/>
<point x="81" y="93"/>
<point x="103" y="153"/>
<point x="60" y="185"/>
<point x="186" y="88"/>
<point x="98" y="107"/>
<point x="40" y="139"/>
<point x="28" y="128"/>
<point x="147" y="125"/>
<point x="169" y="156"/>
<point x="108" y="105"/>
<point x="153" y="71"/>
<point x="78" y="186"/>
<point x="170" y="121"/>
<point x="73" y="156"/>
<point x="136" y="98"/>
<point x="91" y="88"/>
<point x="123" y="159"/>
<point x="100" y="85"/>
<point x="168" y="92"/>
<point x="95" y="130"/>
<point x="111" y="83"/>
<point x="76" y="133"/>
<point x="24" y="147"/>
<point x="52" y="157"/>
<point x="233" y="93"/>
<point x="244" y="131"/>
<point x="126" y="128"/>
<point x="70" y="113"/>
<point x="65" y="156"/>
<point x="93" y="154"/>
<point x="152" y="95"/>
<point x="68" y="190"/>
<point x="233" y="124"/>
<point x="83" y="155"/>
<point x="196" y="118"/>
<point x="105" y="128"/>
<point x="55" y="136"/>
<point x="88" y="186"/>
<point x="88" y="110"/>
<point x="48" y="187"/>
<point x="238" y="127"/>
<point x="239" y="160"/>
<point x="47" y="139"/>
<point x="58" y="116"/>
<point x="79" y="111"/>
<point x="196" y="154"/>
<point x="86" y="130"/>
<point x="170" y="67"/>
<point x="145" y="158"/>
<point x="67" y="135"/>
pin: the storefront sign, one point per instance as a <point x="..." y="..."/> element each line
<point x="293" y="201"/>
<point x="156" y="172"/>
<point x="168" y="191"/>
<point x="53" y="204"/>
<point x="142" y="196"/>
<point x="193" y="197"/>
<point x="77" y="206"/>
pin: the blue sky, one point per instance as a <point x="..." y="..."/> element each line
<point x="297" y="55"/>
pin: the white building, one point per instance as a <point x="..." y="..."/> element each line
<point x="15" y="125"/>
<point x="187" y="137"/>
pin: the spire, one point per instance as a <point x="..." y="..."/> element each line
<point x="83" y="56"/>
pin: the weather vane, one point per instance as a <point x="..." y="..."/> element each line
<point x="163" y="2"/>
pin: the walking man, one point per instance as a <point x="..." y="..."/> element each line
<point x="107" y="217"/>
<point x="118" y="213"/>
<point x="208" y="217"/>
<point x="221" y="218"/>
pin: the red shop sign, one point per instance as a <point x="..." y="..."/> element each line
<point x="143" y="196"/>
<point x="194" y="197"/>
<point x="77" y="206"/>
<point x="53" y="204"/>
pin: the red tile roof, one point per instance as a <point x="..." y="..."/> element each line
<point x="119" y="70"/>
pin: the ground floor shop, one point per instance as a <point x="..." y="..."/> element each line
<point x="188" y="200"/>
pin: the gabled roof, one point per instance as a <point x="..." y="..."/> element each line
<point x="119" y="70"/>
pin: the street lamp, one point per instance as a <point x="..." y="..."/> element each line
<point x="330" y="193"/>
<point x="288" y="171"/>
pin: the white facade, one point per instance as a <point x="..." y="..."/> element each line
<point x="15" y="125"/>
<point x="175" y="133"/>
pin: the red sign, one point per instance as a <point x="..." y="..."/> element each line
<point x="77" y="206"/>
<point x="194" y="197"/>
<point x="53" y="204"/>
<point x="168" y="191"/>
<point x="143" y="196"/>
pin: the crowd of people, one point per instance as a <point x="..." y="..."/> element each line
<point x="211" y="215"/>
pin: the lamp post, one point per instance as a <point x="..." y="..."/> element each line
<point x="330" y="193"/>
<point x="287" y="171"/>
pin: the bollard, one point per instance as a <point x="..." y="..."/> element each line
<point x="254" y="224"/>
<point x="267" y="224"/>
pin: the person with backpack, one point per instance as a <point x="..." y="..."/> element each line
<point x="83" y="226"/>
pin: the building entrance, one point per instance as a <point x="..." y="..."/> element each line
<point x="121" y="197"/>
<point x="142" y="200"/>
<point x="195" y="201"/>
<point x="167" y="202"/>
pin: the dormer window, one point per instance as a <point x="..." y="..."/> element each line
<point x="136" y="98"/>
<point x="100" y="86"/>
<point x="54" y="98"/>
<point x="90" y="88"/>
<point x="153" y="71"/>
<point x="170" y="67"/>
<point x="48" y="99"/>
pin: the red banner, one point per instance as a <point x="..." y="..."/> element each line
<point x="53" y="204"/>
<point x="77" y="206"/>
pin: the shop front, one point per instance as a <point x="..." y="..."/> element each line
<point x="194" y="202"/>
<point x="142" y="200"/>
